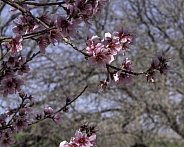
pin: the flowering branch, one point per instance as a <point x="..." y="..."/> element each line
<point x="61" y="109"/>
<point x="54" y="28"/>
<point x="24" y="11"/>
<point x="125" y="71"/>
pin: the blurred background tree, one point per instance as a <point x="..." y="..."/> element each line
<point x="133" y="115"/>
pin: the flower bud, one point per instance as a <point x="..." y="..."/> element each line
<point x="56" y="118"/>
<point x="48" y="111"/>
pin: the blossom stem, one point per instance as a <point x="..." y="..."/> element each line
<point x="126" y="71"/>
<point x="74" y="47"/>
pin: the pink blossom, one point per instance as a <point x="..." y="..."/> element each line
<point x="55" y="35"/>
<point x="53" y="20"/>
<point x="15" y="45"/>
<point x="151" y="77"/>
<point x="67" y="28"/>
<point x="125" y="38"/>
<point x="11" y="62"/>
<point x="21" y="66"/>
<point x="18" y="29"/>
<point x="119" y="77"/>
<point x="114" y="78"/>
<point x="98" y="5"/>
<point x="127" y="64"/>
<point x="22" y="112"/>
<point x="92" y="139"/>
<point x="15" y="62"/>
<point x="30" y="97"/>
<point x="6" y="138"/>
<point x="18" y="84"/>
<point x="91" y="43"/>
<point x="24" y="25"/>
<point x="8" y="111"/>
<point x="37" y="27"/>
<point x="17" y="65"/>
<point x="48" y="111"/>
<point x="56" y="118"/>
<point x="29" y="24"/>
<point x="8" y="86"/>
<point x="21" y="26"/>
<point x="82" y="140"/>
<point x="112" y="44"/>
<point x="84" y="8"/>
<point x="101" y="56"/>
<point x="38" y="116"/>
<point x="45" y="17"/>
<point x="20" y="123"/>
<point x="107" y="39"/>
<point x="103" y="85"/>
<point x="163" y="63"/>
<point x="43" y="42"/>
<point x="23" y="69"/>
<point x="64" y="144"/>
<point x="27" y="107"/>
<point x="155" y="63"/>
<point x="9" y="74"/>
<point x="160" y="63"/>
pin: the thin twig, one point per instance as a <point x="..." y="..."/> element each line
<point x="74" y="47"/>
<point x="64" y="107"/>
<point x="126" y="71"/>
<point x="34" y="55"/>
<point x="42" y="4"/>
<point x="68" y="103"/>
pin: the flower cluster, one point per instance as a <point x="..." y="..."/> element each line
<point x="14" y="120"/>
<point x="14" y="45"/>
<point x="84" y="9"/>
<point x="53" y="28"/>
<point x="48" y="113"/>
<point x="84" y="137"/>
<point x="160" y="63"/>
<point x="6" y="137"/>
<point x="9" y="80"/>
<point x="50" y="29"/>
<point x="103" y="52"/>
<point x="24" y="25"/>
<point x="122" y="76"/>
<point x="64" y="26"/>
